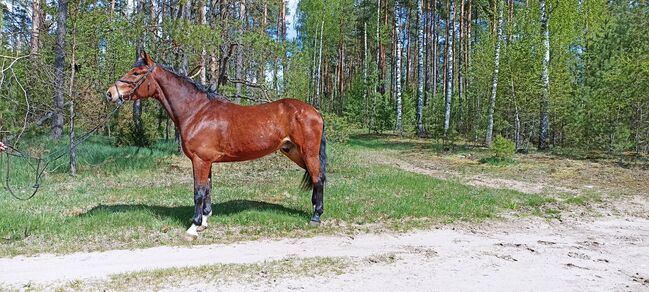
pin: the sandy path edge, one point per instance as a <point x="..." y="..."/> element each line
<point x="610" y="253"/>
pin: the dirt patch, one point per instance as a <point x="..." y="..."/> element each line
<point x="442" y="171"/>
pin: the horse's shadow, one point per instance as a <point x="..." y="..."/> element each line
<point x="182" y="214"/>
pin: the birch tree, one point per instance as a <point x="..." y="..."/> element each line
<point x="449" y="69"/>
<point x="544" y="129"/>
<point x="420" y="69"/>
<point x="494" y="83"/>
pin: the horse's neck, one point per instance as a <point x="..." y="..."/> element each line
<point x="179" y="98"/>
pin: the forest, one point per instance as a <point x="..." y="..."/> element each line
<point x="542" y="74"/>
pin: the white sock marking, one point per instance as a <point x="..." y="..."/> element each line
<point x="192" y="230"/>
<point x="204" y="224"/>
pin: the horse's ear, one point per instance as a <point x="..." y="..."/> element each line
<point x="146" y="59"/>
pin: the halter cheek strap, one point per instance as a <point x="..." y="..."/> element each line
<point x="137" y="83"/>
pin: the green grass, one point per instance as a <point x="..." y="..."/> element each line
<point x="129" y="197"/>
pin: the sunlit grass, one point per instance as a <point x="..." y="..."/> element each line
<point x="129" y="197"/>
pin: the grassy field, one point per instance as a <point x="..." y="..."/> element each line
<point x="128" y="197"/>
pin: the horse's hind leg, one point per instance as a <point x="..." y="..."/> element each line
<point x="316" y="166"/>
<point x="290" y="150"/>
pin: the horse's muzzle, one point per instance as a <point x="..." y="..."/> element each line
<point x="112" y="94"/>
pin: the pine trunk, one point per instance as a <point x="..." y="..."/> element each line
<point x="202" y="8"/>
<point x="460" y="68"/>
<point x="435" y="52"/>
<point x="37" y="14"/>
<point x="397" y="68"/>
<point x="239" y="67"/>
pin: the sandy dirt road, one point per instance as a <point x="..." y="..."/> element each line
<point x="604" y="254"/>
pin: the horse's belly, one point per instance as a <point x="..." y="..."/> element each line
<point x="230" y="150"/>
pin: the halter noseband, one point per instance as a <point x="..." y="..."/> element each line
<point x="137" y="83"/>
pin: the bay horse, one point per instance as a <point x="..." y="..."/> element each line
<point x="212" y="129"/>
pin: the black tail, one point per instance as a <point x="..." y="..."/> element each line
<point x="307" y="182"/>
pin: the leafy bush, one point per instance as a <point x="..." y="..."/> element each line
<point x="502" y="149"/>
<point x="336" y="127"/>
<point x="128" y="134"/>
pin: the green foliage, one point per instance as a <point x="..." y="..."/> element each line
<point x="502" y="149"/>
<point x="128" y="134"/>
<point x="337" y="128"/>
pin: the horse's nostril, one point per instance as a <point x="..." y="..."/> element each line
<point x="108" y="94"/>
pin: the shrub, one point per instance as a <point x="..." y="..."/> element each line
<point x="502" y="149"/>
<point x="336" y="127"/>
<point x="128" y="134"/>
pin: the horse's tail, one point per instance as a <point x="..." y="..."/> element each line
<point x="307" y="182"/>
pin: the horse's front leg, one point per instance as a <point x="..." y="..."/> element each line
<point x="207" y="203"/>
<point x="202" y="169"/>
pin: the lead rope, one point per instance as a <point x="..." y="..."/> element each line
<point x="40" y="166"/>
<point x="41" y="170"/>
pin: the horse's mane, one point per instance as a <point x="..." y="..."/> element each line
<point x="211" y="94"/>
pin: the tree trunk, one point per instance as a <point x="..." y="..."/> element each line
<point x="545" y="78"/>
<point x="59" y="70"/>
<point x="73" y="148"/>
<point x="37" y="15"/>
<point x="397" y="68"/>
<point x="494" y="83"/>
<point x="202" y="8"/>
<point x="407" y="49"/>
<point x="378" y="43"/>
<point x="460" y="68"/>
<point x="365" y="64"/>
<point x="435" y="52"/>
<point x="281" y="36"/>
<point x="239" y="68"/>
<point x="314" y="69"/>
<point x="261" y="67"/>
<point x="420" y="69"/>
<point x="318" y="75"/>
<point x="449" y="70"/>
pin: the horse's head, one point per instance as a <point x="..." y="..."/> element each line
<point x="136" y="83"/>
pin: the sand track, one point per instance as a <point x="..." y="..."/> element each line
<point x="607" y="254"/>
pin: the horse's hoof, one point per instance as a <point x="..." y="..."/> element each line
<point x="201" y="228"/>
<point x="314" y="223"/>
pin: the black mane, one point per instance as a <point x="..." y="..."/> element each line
<point x="211" y="94"/>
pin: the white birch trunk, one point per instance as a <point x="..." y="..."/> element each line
<point x="318" y="76"/>
<point x="449" y="70"/>
<point x="545" y="78"/>
<point x="420" y="69"/>
<point x="494" y="83"/>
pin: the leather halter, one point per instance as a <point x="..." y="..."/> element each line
<point x="121" y="98"/>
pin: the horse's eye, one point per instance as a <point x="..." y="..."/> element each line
<point x="136" y="74"/>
